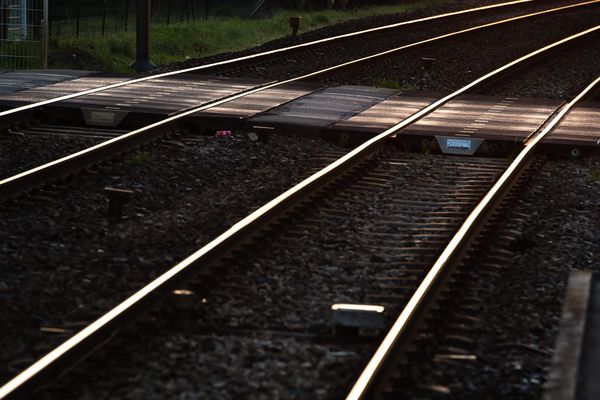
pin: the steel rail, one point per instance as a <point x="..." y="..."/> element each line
<point x="260" y="55"/>
<point x="366" y="385"/>
<point x="103" y="328"/>
<point x="28" y="179"/>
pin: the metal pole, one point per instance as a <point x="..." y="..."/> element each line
<point x="142" y="60"/>
<point x="77" y="10"/>
<point x="23" y="20"/>
<point x="45" y="34"/>
<point x="104" y="17"/>
<point x="168" y="12"/>
<point x="126" y="14"/>
<point x="3" y="21"/>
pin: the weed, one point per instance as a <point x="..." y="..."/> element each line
<point x="224" y="11"/>
<point x="321" y="19"/>
<point x="594" y="174"/>
<point x="389" y="83"/>
<point x="141" y="157"/>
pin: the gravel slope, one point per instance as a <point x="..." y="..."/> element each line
<point x="71" y="264"/>
<point x="518" y="300"/>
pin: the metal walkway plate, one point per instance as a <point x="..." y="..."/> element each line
<point x="49" y="91"/>
<point x="167" y="95"/>
<point x="493" y="118"/>
<point x="160" y="96"/>
<point x="322" y="108"/>
<point x="16" y="81"/>
<point x="260" y="102"/>
<point x="305" y="108"/>
<point x="385" y="114"/>
<point x="581" y="126"/>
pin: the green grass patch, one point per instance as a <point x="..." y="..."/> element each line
<point x="181" y="41"/>
<point x="20" y="54"/>
<point x="390" y="84"/>
<point x="594" y="175"/>
<point x="141" y="157"/>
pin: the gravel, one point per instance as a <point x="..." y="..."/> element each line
<point x="258" y="333"/>
<point x="343" y="51"/>
<point x="471" y="57"/>
<point x="563" y="76"/>
<point x="562" y="234"/>
<point x="518" y="300"/>
<point x="19" y="153"/>
<point x="71" y="263"/>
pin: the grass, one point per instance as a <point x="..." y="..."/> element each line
<point x="140" y="157"/>
<point x="20" y="54"/>
<point x="390" y="84"/>
<point x="181" y="41"/>
<point x="594" y="174"/>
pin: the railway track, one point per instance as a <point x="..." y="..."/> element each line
<point x="98" y="331"/>
<point x="267" y="55"/>
<point x="26" y="181"/>
<point x="349" y="48"/>
<point x="415" y="311"/>
<point x="322" y="225"/>
<point x="65" y="131"/>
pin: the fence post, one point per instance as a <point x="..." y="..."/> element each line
<point x="3" y="21"/>
<point x="126" y="14"/>
<point x="23" y="20"/>
<point x="77" y="16"/>
<point x="104" y="17"/>
<point x="45" y="33"/>
<point x="168" y="12"/>
<point x="142" y="62"/>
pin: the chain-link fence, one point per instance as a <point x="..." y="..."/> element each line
<point x="23" y="35"/>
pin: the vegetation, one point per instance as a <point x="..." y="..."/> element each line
<point x="181" y="41"/>
<point x="390" y="84"/>
<point x="140" y="157"/>
<point x="594" y="174"/>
